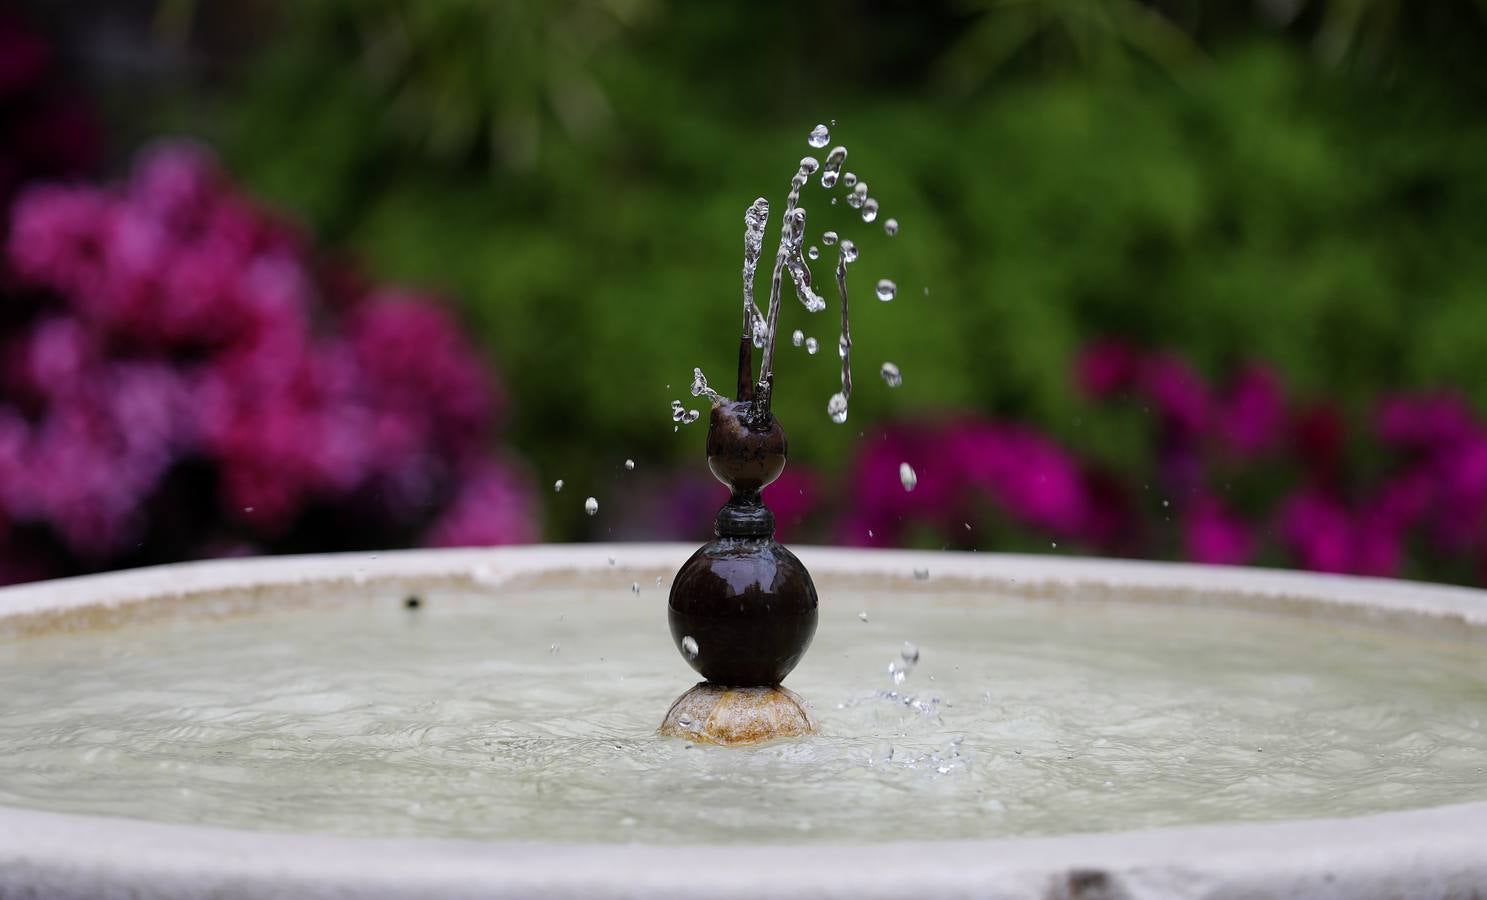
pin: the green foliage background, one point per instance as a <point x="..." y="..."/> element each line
<point x="575" y="175"/>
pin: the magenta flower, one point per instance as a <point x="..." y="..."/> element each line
<point x="1178" y="393"/>
<point x="1251" y="415"/>
<point x="494" y="506"/>
<point x="961" y="467"/>
<point x="419" y="363"/>
<point x="1424" y="421"/>
<point x="1316" y="530"/>
<point x="1212" y="535"/>
<point x="1105" y="368"/>
<point x="55" y="239"/>
<point x="187" y="328"/>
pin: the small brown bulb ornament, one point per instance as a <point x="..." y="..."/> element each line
<point x="743" y="608"/>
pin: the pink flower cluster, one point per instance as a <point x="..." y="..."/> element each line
<point x="965" y="468"/>
<point x="1237" y="473"/>
<point x="1426" y="507"/>
<point x="171" y="325"/>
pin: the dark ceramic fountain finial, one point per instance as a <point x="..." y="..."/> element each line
<point x="743" y="608"/>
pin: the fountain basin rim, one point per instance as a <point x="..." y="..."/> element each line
<point x="250" y="582"/>
<point x="1429" y="852"/>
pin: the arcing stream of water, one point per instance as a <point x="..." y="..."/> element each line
<point x="761" y="326"/>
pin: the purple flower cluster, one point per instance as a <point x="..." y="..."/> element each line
<point x="170" y="325"/>
<point x="964" y="469"/>
<point x="1235" y="473"/>
<point x="1430" y="496"/>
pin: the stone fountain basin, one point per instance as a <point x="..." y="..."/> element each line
<point x="1435" y="852"/>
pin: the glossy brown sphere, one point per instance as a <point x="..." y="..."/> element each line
<point x="749" y="607"/>
<point x="743" y="608"/>
<point x="743" y="452"/>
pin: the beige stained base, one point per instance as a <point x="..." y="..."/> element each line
<point x="737" y="716"/>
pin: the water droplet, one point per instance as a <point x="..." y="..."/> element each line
<point x="858" y="196"/>
<point x="907" y="477"/>
<point x="1053" y="544"/>
<point x="591" y="506"/>
<point x="828" y="238"/>
<point x="832" y="169"/>
<point x="820" y="136"/>
<point x="554" y="648"/>
<point x="891" y="375"/>
<point x="849" y="251"/>
<point x="813" y="252"/>
<point x="921" y="574"/>
<point x="678" y="412"/>
<point x="909" y="652"/>
<point x="886" y="289"/>
<point x="811" y="346"/>
<point x="635" y="588"/>
<point x="869" y="210"/>
<point x="700" y="386"/>
<point x="897" y="672"/>
<point x="797" y="337"/>
<point x="689" y="646"/>
<point x="809" y="165"/>
<point x="836" y="407"/>
<point x="248" y="509"/>
<point x="691" y="416"/>
<point x="1166" y="502"/>
<point x="629" y="465"/>
<point x="890" y="227"/>
<point x="849" y="179"/>
<point x="862" y="616"/>
<point x="611" y="560"/>
<point x="684" y="720"/>
<point x="841" y="347"/>
<point x="557" y="486"/>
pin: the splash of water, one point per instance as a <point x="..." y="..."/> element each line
<point x="761" y="327"/>
<point x="700" y="387"/>
<point x="755" y="220"/>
